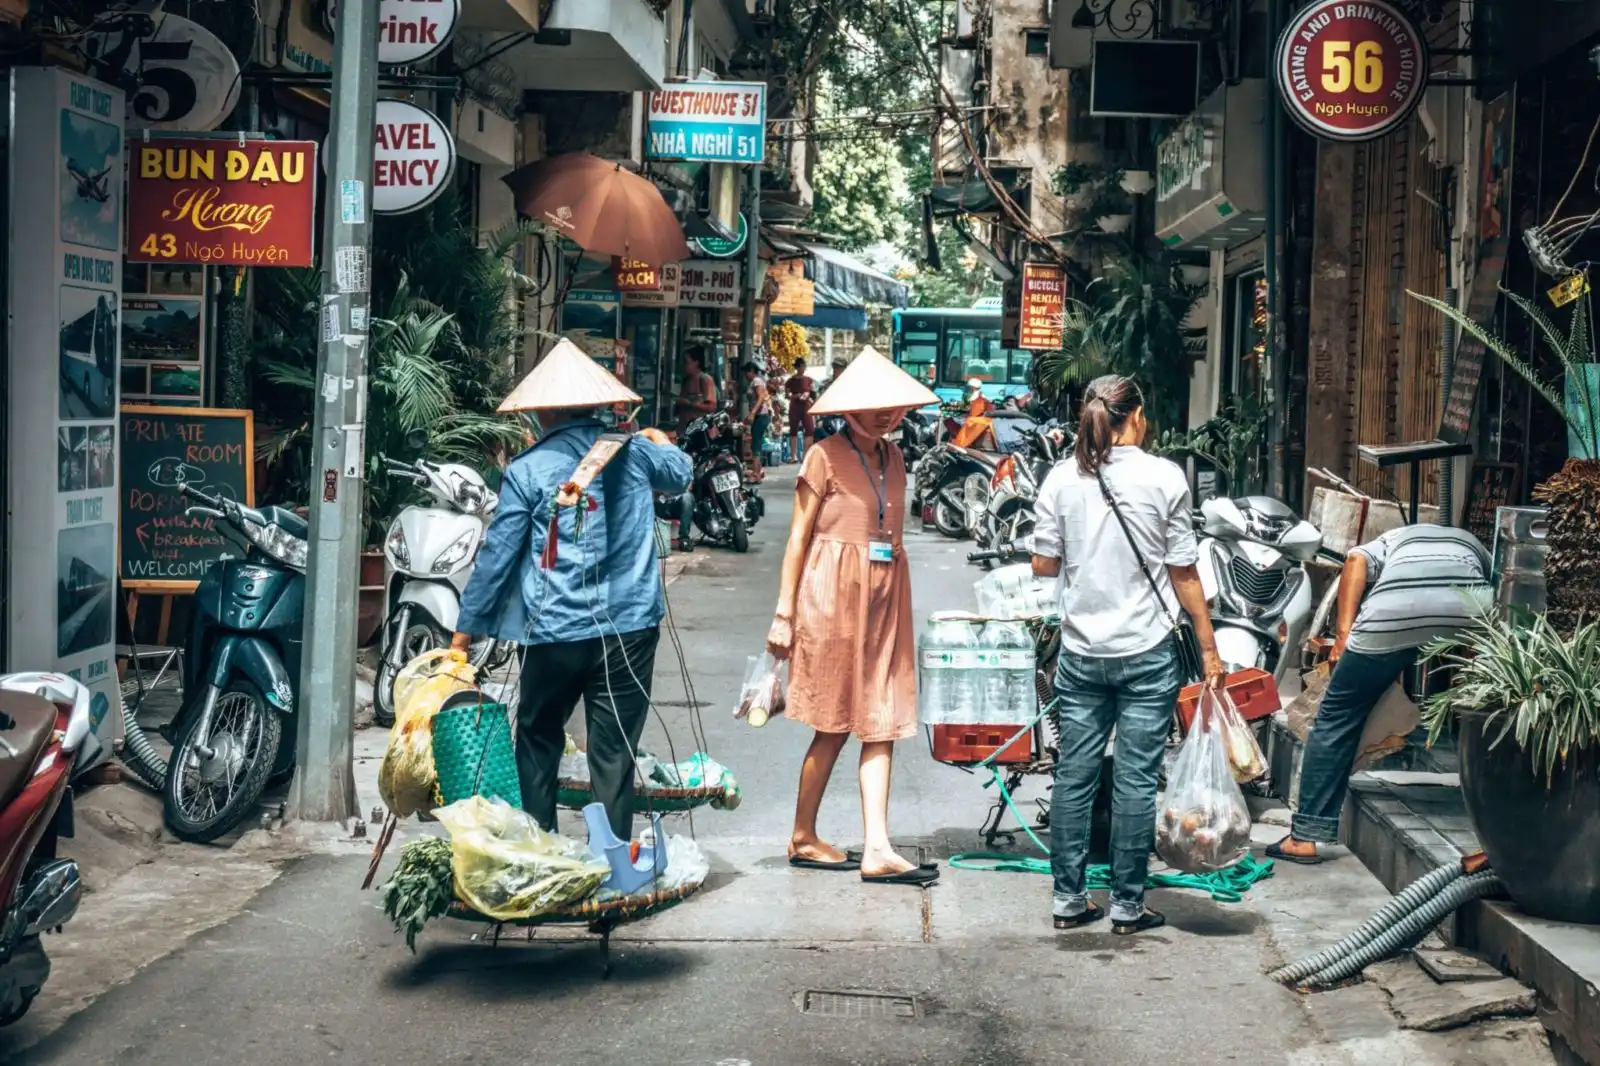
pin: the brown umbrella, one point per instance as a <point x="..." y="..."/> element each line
<point x="600" y="207"/>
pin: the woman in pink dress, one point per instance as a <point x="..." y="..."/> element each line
<point x="844" y="613"/>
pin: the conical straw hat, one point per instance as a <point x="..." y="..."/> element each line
<point x="568" y="378"/>
<point x="872" y="383"/>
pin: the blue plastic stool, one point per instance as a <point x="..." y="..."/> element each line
<point x="626" y="877"/>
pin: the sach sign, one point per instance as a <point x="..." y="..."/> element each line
<point x="1351" y="71"/>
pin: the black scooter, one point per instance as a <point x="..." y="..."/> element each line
<point x="241" y="670"/>
<point x="726" y="507"/>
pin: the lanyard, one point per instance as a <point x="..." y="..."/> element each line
<point x="882" y="487"/>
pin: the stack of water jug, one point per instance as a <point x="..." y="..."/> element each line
<point x="974" y="672"/>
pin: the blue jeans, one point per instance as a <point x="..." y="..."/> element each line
<point x="1359" y="680"/>
<point x="1136" y="695"/>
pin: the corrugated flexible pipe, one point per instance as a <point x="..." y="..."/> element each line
<point x="1411" y="897"/>
<point x="1410" y="929"/>
<point x="137" y="754"/>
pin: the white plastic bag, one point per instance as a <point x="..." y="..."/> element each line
<point x="1245" y="757"/>
<point x="1203" y="824"/>
<point x="765" y="690"/>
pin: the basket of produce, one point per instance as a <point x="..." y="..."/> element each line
<point x="698" y="781"/>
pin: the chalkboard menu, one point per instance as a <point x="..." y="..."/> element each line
<point x="1493" y="486"/>
<point x="213" y="449"/>
<point x="1467" y="370"/>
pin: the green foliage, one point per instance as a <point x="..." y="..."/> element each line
<point x="859" y="185"/>
<point x="1070" y="179"/>
<point x="1230" y="441"/>
<point x="961" y="280"/>
<point x="1574" y="349"/>
<point x="1540" y="688"/>
<point x="1082" y="357"/>
<point x="422" y="887"/>
<point x="1138" y="309"/>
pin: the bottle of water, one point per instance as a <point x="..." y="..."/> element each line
<point x="1014" y="651"/>
<point x="947" y="655"/>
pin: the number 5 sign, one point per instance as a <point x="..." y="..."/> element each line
<point x="177" y="74"/>
<point x="1351" y="71"/>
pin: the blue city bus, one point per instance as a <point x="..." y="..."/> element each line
<point x="945" y="347"/>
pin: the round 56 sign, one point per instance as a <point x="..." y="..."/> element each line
<point x="1351" y="70"/>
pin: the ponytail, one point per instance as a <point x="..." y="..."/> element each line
<point x="1108" y="403"/>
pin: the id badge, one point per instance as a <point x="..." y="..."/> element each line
<point x="880" y="551"/>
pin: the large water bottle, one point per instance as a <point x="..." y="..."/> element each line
<point x="1010" y="695"/>
<point x="946" y="655"/>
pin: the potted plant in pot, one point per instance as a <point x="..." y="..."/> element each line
<point x="1526" y="700"/>
<point x="1112" y="207"/>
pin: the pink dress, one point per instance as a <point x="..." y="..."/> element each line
<point x="854" y="662"/>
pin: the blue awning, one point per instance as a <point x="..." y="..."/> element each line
<point x="855" y="279"/>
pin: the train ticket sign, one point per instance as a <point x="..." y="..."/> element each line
<point x="1351" y="71"/>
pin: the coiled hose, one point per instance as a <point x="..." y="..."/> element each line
<point x="1415" y="895"/>
<point x="138" y="757"/>
<point x="1410" y="929"/>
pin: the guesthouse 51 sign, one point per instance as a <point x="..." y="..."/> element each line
<point x="1351" y="71"/>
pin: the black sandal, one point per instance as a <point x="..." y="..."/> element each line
<point x="855" y="855"/>
<point x="1275" y="851"/>
<point x="800" y="862"/>
<point x="1148" y="920"/>
<point x="1090" y="913"/>
<point x="919" y="876"/>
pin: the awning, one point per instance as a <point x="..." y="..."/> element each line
<point x="835" y="270"/>
<point x="834" y="310"/>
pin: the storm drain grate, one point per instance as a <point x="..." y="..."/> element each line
<point x="828" y="1004"/>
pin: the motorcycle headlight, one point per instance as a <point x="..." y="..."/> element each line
<point x="469" y="497"/>
<point x="395" y="548"/>
<point x="454" y="555"/>
<point x="281" y="545"/>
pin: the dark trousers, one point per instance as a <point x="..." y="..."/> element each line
<point x="612" y="675"/>
<point x="1359" y="680"/>
<point x="679" y="509"/>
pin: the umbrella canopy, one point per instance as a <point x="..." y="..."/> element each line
<point x="872" y="383"/>
<point x="567" y="378"/>
<point x="599" y="206"/>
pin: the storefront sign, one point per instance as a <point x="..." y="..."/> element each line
<point x="1044" y="301"/>
<point x="195" y="200"/>
<point x="414" y="160"/>
<point x="708" y="122"/>
<point x="633" y="276"/>
<point x="1210" y="191"/>
<point x="1183" y="157"/>
<point x="710" y="283"/>
<point x="64" y="293"/>
<point x="797" y="294"/>
<point x="718" y="248"/>
<point x="409" y="31"/>
<point x="188" y="79"/>
<point x="1351" y="71"/>
<point x="665" y="296"/>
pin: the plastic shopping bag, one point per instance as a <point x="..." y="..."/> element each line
<point x="1203" y="824"/>
<point x="1245" y="757"/>
<point x="406" y="779"/>
<point x="765" y="690"/>
<point x="506" y="867"/>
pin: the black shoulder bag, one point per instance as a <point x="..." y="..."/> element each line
<point x="1189" y="661"/>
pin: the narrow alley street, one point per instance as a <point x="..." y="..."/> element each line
<point x="748" y="972"/>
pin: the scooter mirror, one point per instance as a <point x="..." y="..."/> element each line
<point x="417" y="439"/>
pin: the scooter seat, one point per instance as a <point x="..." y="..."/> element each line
<point x="26" y="724"/>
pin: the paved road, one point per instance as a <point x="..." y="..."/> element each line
<point x="310" y="971"/>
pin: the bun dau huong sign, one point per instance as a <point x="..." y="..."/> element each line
<point x="1351" y="71"/>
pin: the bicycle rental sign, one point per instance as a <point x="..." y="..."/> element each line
<point x="1351" y="71"/>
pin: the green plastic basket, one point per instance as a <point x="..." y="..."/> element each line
<point x="474" y="754"/>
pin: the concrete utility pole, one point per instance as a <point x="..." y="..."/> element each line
<point x="752" y="269"/>
<point x="324" y="782"/>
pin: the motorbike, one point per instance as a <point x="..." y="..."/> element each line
<point x="726" y="507"/>
<point x="241" y="669"/>
<point x="1004" y="531"/>
<point x="429" y="555"/>
<point x="45" y="720"/>
<point x="915" y="436"/>
<point x="1253" y="555"/>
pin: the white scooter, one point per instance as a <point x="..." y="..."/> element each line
<point x="428" y="559"/>
<point x="1253" y="555"/>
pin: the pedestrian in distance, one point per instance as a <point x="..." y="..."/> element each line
<point x="1402" y="591"/>
<point x="755" y="411"/>
<point x="1113" y="526"/>
<point x="698" y="394"/>
<point x="802" y="393"/>
<point x="844" y="614"/>
<point x="576" y="582"/>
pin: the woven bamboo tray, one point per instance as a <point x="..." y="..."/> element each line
<point x="613" y="911"/>
<point x="575" y="796"/>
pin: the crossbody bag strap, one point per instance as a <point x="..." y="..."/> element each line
<point x="1111" y="502"/>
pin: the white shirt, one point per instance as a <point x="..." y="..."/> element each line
<point x="1107" y="607"/>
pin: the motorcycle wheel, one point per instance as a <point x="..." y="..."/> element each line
<point x="951" y="521"/>
<point x="245" y="733"/>
<point x="15" y="1016"/>
<point x="740" y="538"/>
<point x="422" y="635"/>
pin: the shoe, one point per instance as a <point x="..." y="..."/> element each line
<point x="800" y="862"/>
<point x="855" y="854"/>
<point x="920" y="877"/>
<point x="1148" y="920"/>
<point x="685" y="546"/>
<point x="1276" y="852"/>
<point x="1091" y="913"/>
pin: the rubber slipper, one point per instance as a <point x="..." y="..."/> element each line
<point x="800" y="862"/>
<point x="1275" y="851"/>
<point x="920" y="876"/>
<point x="1089" y="914"/>
<point x="856" y="854"/>
<point x="1148" y="920"/>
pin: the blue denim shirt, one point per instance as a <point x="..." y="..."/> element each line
<point x="606" y="578"/>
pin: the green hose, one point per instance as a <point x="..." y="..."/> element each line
<point x="1224" y="886"/>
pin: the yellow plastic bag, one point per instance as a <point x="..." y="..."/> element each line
<point x="406" y="779"/>
<point x="506" y="867"/>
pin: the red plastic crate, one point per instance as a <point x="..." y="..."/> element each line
<point x="1254" y="692"/>
<point x="964" y="745"/>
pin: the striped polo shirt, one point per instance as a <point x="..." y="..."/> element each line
<point x="1423" y="582"/>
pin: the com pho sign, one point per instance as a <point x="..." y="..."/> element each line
<point x="1351" y="71"/>
<point x="708" y="122"/>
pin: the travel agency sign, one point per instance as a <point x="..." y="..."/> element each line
<point x="1351" y="71"/>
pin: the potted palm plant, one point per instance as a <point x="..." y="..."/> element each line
<point x="1526" y="702"/>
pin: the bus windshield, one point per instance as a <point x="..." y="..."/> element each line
<point x="946" y="348"/>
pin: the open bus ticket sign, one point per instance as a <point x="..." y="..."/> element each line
<point x="1351" y="71"/>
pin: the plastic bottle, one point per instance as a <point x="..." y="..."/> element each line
<point x="946" y="694"/>
<point x="1017" y="697"/>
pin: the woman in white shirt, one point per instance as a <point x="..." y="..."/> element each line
<point x="1114" y="528"/>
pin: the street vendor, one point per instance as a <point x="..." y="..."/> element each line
<point x="1398" y="593"/>
<point x="576" y="583"/>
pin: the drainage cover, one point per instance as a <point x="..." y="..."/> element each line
<point x="857" y="1004"/>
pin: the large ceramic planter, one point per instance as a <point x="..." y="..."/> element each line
<point x="1543" y="842"/>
